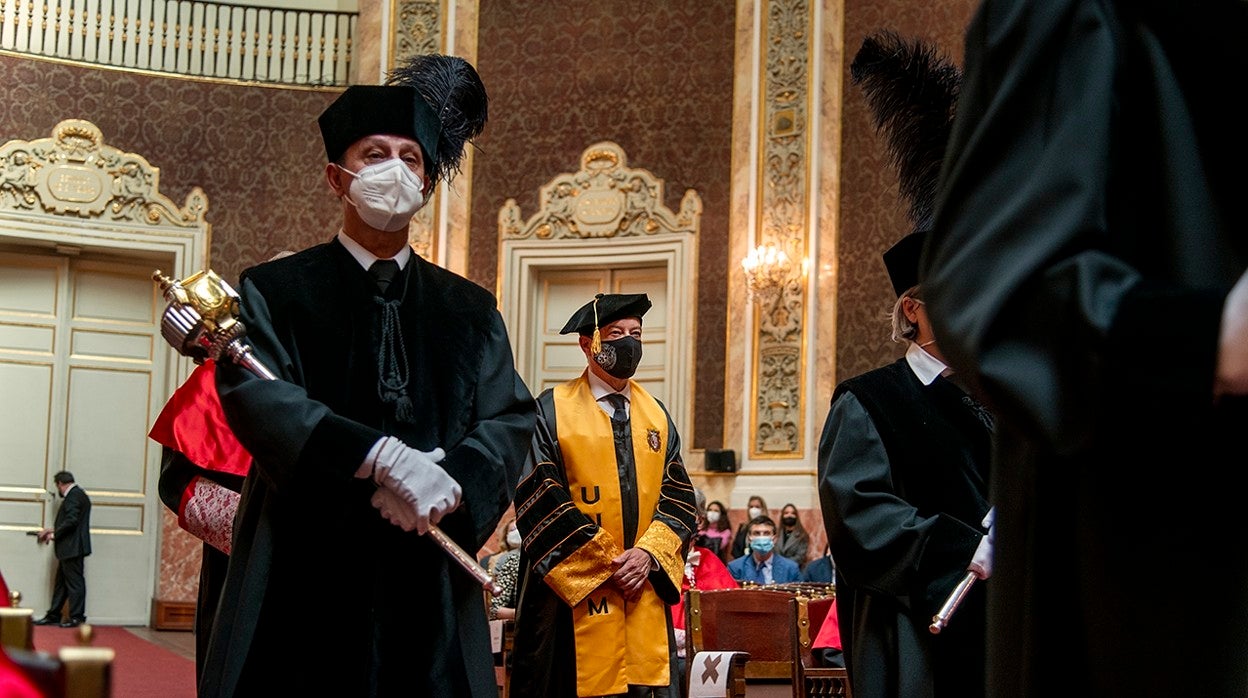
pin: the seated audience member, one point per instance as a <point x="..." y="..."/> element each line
<point x="756" y="508"/>
<point x="821" y="570"/>
<point x="504" y="565"/>
<point x="717" y="530"/>
<point x="762" y="565"/>
<point x="792" y="541"/>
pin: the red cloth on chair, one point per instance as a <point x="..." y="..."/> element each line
<point x="14" y="683"/>
<point x="830" y="632"/>
<point x="709" y="573"/>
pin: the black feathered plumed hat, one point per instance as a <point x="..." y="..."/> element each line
<point x="913" y="93"/>
<point x="366" y="110"/>
<point x="454" y="92"/>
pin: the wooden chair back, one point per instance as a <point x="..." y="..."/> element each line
<point x="752" y="620"/>
<point x="808" y="679"/>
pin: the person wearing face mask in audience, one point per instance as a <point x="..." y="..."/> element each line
<point x="717" y="530"/>
<point x="792" y="540"/>
<point x="754" y="509"/>
<point x="762" y="565"/>
<point x="396" y="407"/>
<point x="606" y="510"/>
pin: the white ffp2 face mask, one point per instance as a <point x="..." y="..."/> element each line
<point x="386" y="195"/>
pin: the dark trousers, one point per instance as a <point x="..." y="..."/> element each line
<point x="70" y="584"/>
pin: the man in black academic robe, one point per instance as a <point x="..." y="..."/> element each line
<point x="401" y="399"/>
<point x="1090" y="226"/>
<point x="903" y="482"/>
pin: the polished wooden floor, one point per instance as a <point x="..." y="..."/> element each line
<point x="180" y="642"/>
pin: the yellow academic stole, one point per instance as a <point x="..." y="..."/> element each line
<point x="617" y="642"/>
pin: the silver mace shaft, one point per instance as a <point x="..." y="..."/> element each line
<point x="941" y="620"/>
<point x="201" y="322"/>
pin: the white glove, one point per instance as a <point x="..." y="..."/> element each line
<point x="415" y="477"/>
<point x="694" y="557"/>
<point x="981" y="561"/>
<point x="394" y="509"/>
<point x="1232" y="367"/>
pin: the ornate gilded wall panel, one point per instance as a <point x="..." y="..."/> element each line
<point x="606" y="198"/>
<point x="74" y="173"/>
<point x="777" y="429"/>
<point x="417" y="29"/>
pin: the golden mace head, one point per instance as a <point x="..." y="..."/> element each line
<point x="202" y="317"/>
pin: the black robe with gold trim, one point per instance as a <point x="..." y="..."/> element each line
<point x="322" y="595"/>
<point x="577" y="510"/>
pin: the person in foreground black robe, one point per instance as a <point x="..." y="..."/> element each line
<point x="1086" y="274"/>
<point x="397" y="407"/>
<point x="606" y="510"/>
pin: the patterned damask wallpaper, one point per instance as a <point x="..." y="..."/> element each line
<point x="255" y="151"/>
<point x="655" y="77"/>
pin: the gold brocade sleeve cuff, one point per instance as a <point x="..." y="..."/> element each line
<point x="585" y="569"/>
<point x="664" y="546"/>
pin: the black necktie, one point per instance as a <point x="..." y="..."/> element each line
<point x="620" y="416"/>
<point x="383" y="270"/>
<point x="625" y="466"/>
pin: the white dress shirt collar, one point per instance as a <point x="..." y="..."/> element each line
<point x="925" y="366"/>
<point x="599" y="389"/>
<point x="366" y="258"/>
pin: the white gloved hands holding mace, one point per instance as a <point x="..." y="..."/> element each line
<point x="418" y="491"/>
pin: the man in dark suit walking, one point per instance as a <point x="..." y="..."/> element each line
<point x="71" y="539"/>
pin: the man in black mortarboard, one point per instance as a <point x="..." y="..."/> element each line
<point x="904" y="454"/>
<point x="605" y="507"/>
<point x="397" y="407"/>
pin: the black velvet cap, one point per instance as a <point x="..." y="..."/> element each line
<point x="366" y="110"/>
<point x="902" y="261"/>
<point x="611" y="307"/>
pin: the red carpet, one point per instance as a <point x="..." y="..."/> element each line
<point x="140" y="669"/>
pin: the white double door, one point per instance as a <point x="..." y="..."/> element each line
<point x="559" y="292"/>
<point x="81" y="365"/>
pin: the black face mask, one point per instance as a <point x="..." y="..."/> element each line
<point x="789" y="520"/>
<point x="620" y="357"/>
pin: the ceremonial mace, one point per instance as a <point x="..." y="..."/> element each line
<point x="941" y="619"/>
<point x="201" y="322"/>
